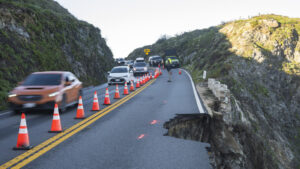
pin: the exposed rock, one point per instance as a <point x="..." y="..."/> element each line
<point x="40" y="35"/>
<point x="258" y="60"/>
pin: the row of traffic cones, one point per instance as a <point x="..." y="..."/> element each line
<point x="56" y="127"/>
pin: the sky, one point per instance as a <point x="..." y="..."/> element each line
<point x="129" y="24"/>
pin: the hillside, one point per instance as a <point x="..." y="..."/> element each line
<point x="39" y="35"/>
<point x="259" y="60"/>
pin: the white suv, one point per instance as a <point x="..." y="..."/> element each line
<point x="139" y="59"/>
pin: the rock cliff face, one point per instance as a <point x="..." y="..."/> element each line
<point x="258" y="59"/>
<point x="39" y="35"/>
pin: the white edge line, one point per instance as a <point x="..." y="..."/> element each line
<point x="5" y="113"/>
<point x="199" y="105"/>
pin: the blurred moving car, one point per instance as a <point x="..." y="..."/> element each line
<point x="175" y="61"/>
<point x="139" y="59"/>
<point x="155" y="60"/>
<point x="140" y="68"/>
<point x="119" y="74"/>
<point x="41" y="90"/>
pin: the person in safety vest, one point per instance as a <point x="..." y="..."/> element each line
<point x="168" y="64"/>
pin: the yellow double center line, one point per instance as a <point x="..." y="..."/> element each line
<point x="30" y="155"/>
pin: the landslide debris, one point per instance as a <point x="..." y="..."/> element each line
<point x="40" y="35"/>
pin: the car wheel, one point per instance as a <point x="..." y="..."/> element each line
<point x="63" y="104"/>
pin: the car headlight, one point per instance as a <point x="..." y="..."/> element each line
<point x="125" y="76"/>
<point x="134" y="69"/>
<point x="109" y="76"/>
<point x="12" y="95"/>
<point x="53" y="94"/>
<point x="145" y="68"/>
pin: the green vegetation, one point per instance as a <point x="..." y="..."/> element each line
<point x="292" y="68"/>
<point x="258" y="58"/>
<point x="48" y="38"/>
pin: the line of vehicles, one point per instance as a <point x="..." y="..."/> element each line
<point x="41" y="90"/>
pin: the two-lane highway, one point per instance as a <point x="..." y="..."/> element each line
<point x="130" y="135"/>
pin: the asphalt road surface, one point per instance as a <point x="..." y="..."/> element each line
<point x="125" y="136"/>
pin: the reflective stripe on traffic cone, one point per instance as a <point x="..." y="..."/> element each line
<point x="141" y="81"/>
<point x="117" y="94"/>
<point x="131" y="86"/>
<point x="125" y="89"/>
<point x="96" y="106"/>
<point x="23" y="138"/>
<point x="106" y="99"/>
<point x="137" y="83"/>
<point x="56" y="125"/>
<point x="80" y="110"/>
<point x="179" y="71"/>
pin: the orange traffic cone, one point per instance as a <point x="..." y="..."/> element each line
<point x="96" y="106"/>
<point x="151" y="76"/>
<point x="179" y="71"/>
<point x="117" y="94"/>
<point x="144" y="81"/>
<point x="23" y="138"/>
<point x="131" y="86"/>
<point x="141" y="81"/>
<point x="56" y="125"/>
<point x="80" y="110"/>
<point x="137" y="85"/>
<point x="106" y="99"/>
<point x="125" y="89"/>
<point x="159" y="65"/>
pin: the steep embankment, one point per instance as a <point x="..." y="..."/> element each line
<point x="39" y="35"/>
<point x="259" y="60"/>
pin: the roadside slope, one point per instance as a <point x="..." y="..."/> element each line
<point x="39" y="35"/>
<point x="259" y="60"/>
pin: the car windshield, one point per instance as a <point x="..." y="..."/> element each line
<point x="140" y="64"/>
<point x="172" y="57"/>
<point x="119" y="70"/>
<point x="42" y="80"/>
<point x="156" y="58"/>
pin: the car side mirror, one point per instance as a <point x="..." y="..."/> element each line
<point x="68" y="83"/>
<point x="108" y="72"/>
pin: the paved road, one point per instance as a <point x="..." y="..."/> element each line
<point x="124" y="138"/>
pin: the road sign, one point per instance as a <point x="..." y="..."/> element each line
<point x="147" y="51"/>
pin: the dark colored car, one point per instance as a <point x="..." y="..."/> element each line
<point x="41" y="90"/>
<point x="120" y="61"/>
<point x="175" y="61"/>
<point x="140" y="68"/>
<point x="130" y="63"/>
<point x="155" y="60"/>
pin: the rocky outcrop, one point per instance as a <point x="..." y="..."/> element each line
<point x="40" y="35"/>
<point x="258" y="60"/>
